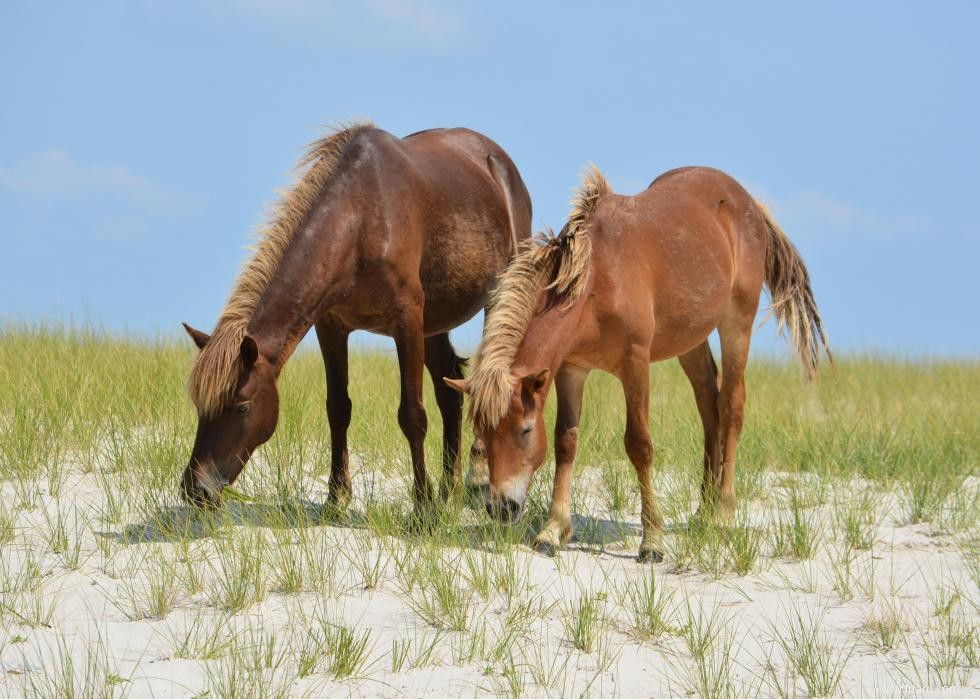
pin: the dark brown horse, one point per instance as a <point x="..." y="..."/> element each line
<point x="404" y="237"/>
<point x="632" y="280"/>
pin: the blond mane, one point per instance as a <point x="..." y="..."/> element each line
<point x="557" y="264"/>
<point x="216" y="370"/>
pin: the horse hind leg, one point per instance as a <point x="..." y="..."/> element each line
<point x="442" y="361"/>
<point x="735" y="333"/>
<point x="701" y="370"/>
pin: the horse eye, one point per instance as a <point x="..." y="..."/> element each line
<point x="242" y="408"/>
<point x="527" y="430"/>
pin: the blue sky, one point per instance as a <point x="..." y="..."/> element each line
<point x="142" y="141"/>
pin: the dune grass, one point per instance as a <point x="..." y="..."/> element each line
<point x="118" y="406"/>
<point x="95" y="430"/>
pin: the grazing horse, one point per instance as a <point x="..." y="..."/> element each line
<point x="403" y="237"/>
<point x="632" y="280"/>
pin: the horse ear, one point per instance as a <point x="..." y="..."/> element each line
<point x="461" y="385"/>
<point x="250" y="351"/>
<point x="534" y="382"/>
<point x="200" y="338"/>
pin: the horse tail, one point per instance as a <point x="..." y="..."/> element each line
<point x="792" y="298"/>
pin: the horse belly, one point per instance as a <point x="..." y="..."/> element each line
<point x="691" y="295"/>
<point x="459" y="269"/>
<point x="673" y="337"/>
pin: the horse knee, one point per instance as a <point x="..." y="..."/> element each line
<point x="731" y="411"/>
<point x="735" y="420"/>
<point x="412" y="419"/>
<point x="339" y="412"/>
<point x="639" y="448"/>
<point x="566" y="444"/>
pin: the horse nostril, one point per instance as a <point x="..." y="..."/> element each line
<point x="511" y="508"/>
<point x="499" y="509"/>
<point x="504" y="509"/>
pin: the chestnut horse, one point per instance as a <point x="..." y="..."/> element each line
<point x="404" y="237"/>
<point x="632" y="280"/>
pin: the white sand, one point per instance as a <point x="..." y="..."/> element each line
<point x="910" y="565"/>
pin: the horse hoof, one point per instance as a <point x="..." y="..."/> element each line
<point x="722" y="513"/>
<point x="545" y="548"/>
<point x="338" y="499"/>
<point x="649" y="556"/>
<point x="331" y="512"/>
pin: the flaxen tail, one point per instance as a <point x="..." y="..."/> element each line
<point x="792" y="298"/>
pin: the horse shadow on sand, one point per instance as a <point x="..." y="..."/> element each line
<point x="181" y="522"/>
<point x="595" y="535"/>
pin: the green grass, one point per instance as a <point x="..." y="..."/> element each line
<point x="154" y="593"/>
<point x="118" y="406"/>
<point x="884" y="626"/>
<point x="585" y="621"/>
<point x="438" y="593"/>
<point x="710" y="641"/>
<point x="199" y="638"/>
<point x="811" y="654"/>
<point x="95" y="431"/>
<point x="68" y="677"/>
<point x="648" y="606"/>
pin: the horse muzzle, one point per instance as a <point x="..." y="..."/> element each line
<point x="505" y="508"/>
<point x="201" y="486"/>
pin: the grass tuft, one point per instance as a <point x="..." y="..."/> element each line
<point x="808" y="649"/>
<point x="585" y="621"/>
<point x="648" y="606"/>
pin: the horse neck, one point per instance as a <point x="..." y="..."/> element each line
<point x="296" y="297"/>
<point x="550" y="338"/>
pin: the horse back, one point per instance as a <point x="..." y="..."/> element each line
<point x="673" y="258"/>
<point x="446" y="208"/>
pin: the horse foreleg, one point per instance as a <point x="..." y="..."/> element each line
<point x="333" y="347"/>
<point x="410" y="343"/>
<point x="639" y="448"/>
<point x="569" y="385"/>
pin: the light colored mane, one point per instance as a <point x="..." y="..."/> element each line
<point x="216" y="370"/>
<point x="556" y="264"/>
